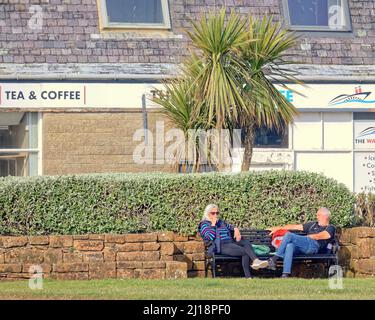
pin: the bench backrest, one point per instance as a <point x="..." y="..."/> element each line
<point x="257" y="236"/>
<point x="262" y="237"/>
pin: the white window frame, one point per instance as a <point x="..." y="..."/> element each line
<point x="108" y="25"/>
<point x="346" y="28"/>
<point x="37" y="150"/>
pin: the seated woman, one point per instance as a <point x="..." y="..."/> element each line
<point x="211" y="225"/>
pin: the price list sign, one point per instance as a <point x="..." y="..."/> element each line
<point x="364" y="179"/>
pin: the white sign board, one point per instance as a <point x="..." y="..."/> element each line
<point x="129" y="95"/>
<point x="75" y="95"/>
<point x="364" y="134"/>
<point x="364" y="172"/>
<point x="332" y="96"/>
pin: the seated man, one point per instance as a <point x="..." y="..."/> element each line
<point x="319" y="235"/>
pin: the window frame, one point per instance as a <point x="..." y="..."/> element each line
<point x="29" y="150"/>
<point x="111" y="25"/>
<point x="347" y="28"/>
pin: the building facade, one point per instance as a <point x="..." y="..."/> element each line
<point x="74" y="75"/>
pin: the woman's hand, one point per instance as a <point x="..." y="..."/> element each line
<point x="213" y="221"/>
<point x="237" y="234"/>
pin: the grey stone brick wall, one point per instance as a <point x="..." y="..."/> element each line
<point x="71" y="34"/>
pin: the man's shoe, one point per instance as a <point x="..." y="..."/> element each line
<point x="259" y="264"/>
<point x="285" y="275"/>
<point x="271" y="264"/>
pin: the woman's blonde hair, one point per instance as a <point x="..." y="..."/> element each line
<point x="208" y="210"/>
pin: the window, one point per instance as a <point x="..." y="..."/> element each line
<point x="18" y="144"/>
<point x="271" y="138"/>
<point x="317" y="15"/>
<point x="364" y="115"/>
<point x="153" y="14"/>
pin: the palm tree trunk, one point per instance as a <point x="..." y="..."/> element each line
<point x="219" y="151"/>
<point x="248" y="143"/>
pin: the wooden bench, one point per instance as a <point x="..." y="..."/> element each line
<point x="262" y="237"/>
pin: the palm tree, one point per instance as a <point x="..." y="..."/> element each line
<point x="179" y="105"/>
<point x="227" y="80"/>
<point x="218" y="69"/>
<point x="265" y="59"/>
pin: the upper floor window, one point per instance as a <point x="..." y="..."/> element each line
<point x="317" y="15"/>
<point x="150" y="14"/>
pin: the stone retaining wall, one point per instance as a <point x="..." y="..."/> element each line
<point x="162" y="255"/>
<point x="357" y="252"/>
<point x="146" y="256"/>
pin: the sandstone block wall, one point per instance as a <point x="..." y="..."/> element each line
<point x="144" y="256"/>
<point x="357" y="253"/>
<point x="159" y="255"/>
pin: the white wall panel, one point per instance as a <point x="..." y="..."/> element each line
<point x="338" y="131"/>
<point x="337" y="165"/>
<point x="307" y="132"/>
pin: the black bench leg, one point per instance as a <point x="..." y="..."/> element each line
<point x="213" y="268"/>
<point x="206" y="266"/>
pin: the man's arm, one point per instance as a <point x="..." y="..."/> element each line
<point x="324" y="235"/>
<point x="286" y="227"/>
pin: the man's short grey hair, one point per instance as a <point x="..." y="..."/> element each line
<point x="208" y="210"/>
<point x="325" y="211"/>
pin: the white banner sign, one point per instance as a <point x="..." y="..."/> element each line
<point x="75" y="95"/>
<point x="332" y="96"/>
<point x="129" y="95"/>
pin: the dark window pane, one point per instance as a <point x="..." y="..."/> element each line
<point x="308" y="12"/>
<point x="268" y="138"/>
<point x="134" y="11"/>
<point x="364" y="115"/>
<point x="13" y="131"/>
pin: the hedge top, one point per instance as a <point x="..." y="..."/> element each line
<point x="122" y="203"/>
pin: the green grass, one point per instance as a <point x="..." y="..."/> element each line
<point x="194" y="289"/>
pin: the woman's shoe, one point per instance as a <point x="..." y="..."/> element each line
<point x="259" y="264"/>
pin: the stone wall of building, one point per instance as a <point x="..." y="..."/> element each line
<point x="357" y="253"/>
<point x="71" y="34"/>
<point x="76" y="143"/>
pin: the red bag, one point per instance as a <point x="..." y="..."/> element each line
<point x="277" y="237"/>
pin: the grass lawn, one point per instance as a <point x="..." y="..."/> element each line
<point x="193" y="289"/>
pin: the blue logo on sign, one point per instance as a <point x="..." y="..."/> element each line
<point x="367" y="132"/>
<point x="288" y="94"/>
<point x="358" y="97"/>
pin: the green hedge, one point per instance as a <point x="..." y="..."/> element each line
<point x="119" y="203"/>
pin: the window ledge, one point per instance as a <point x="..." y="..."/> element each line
<point x="123" y="34"/>
<point x="256" y="149"/>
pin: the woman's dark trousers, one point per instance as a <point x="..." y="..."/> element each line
<point x="242" y="249"/>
